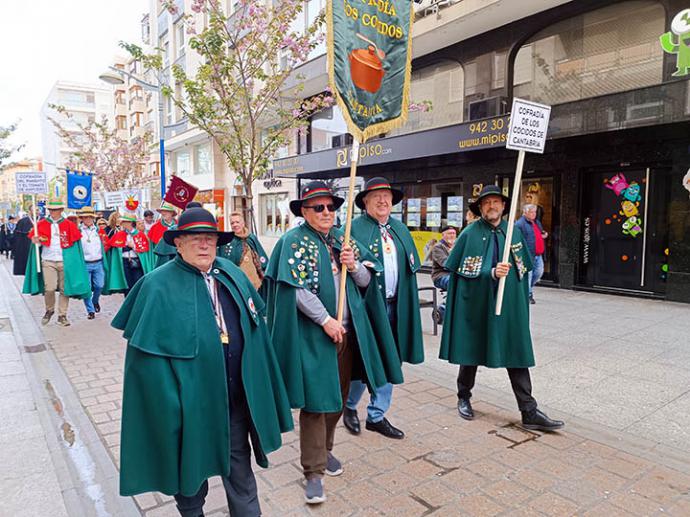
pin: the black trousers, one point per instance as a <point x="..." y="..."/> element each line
<point x="132" y="274"/>
<point x="519" y="380"/>
<point x="240" y="486"/>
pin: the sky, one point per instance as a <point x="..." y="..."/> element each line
<point x="44" y="41"/>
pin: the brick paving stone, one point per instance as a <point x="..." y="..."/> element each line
<point x="606" y="510"/>
<point x="478" y="505"/>
<point x="508" y="493"/>
<point x="580" y="491"/>
<point x="662" y="485"/>
<point x="558" y="467"/>
<point x="282" y="475"/>
<point x="533" y="479"/>
<point x="287" y="498"/>
<point x="384" y="460"/>
<point x="463" y="481"/>
<point x="552" y="504"/>
<point x="420" y="469"/>
<point x="394" y="482"/>
<point x="623" y="467"/>
<point x="490" y="469"/>
<point x="167" y="510"/>
<point x="636" y="504"/>
<point x="364" y="493"/>
<point x="401" y="506"/>
<point x="145" y="501"/>
<point x="434" y="493"/>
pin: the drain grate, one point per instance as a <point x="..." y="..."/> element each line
<point x="5" y="325"/>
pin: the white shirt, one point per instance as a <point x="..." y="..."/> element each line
<point x="390" y="262"/>
<point x="91" y="243"/>
<point x="129" y="242"/>
<point x="54" y="251"/>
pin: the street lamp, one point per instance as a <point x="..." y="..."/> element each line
<point x="115" y="76"/>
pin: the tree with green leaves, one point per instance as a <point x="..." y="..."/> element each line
<point x="7" y="149"/>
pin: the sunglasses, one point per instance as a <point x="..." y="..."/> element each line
<point x="320" y="208"/>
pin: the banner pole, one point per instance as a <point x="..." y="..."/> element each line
<point x="38" y="254"/>
<point x="511" y="226"/>
<point x="354" y="157"/>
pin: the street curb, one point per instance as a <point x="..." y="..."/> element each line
<point x="88" y="478"/>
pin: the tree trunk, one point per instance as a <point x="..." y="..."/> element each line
<point x="249" y="210"/>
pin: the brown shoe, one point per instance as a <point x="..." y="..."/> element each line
<point x="62" y="321"/>
<point x="46" y="317"/>
<point x="91" y="315"/>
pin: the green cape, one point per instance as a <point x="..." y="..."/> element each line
<point x="175" y="412"/>
<point x="472" y="333"/>
<point x="77" y="280"/>
<point x="409" y="323"/>
<point x="115" y="280"/>
<point x="307" y="356"/>
<point x="163" y="253"/>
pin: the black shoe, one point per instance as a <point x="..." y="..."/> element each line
<point x="351" y="421"/>
<point x="531" y="300"/>
<point x="97" y="307"/>
<point x="91" y="315"/>
<point x="465" y="409"/>
<point x="535" y="420"/>
<point x="385" y="428"/>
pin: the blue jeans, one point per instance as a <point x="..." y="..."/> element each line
<point x="97" y="278"/>
<point x="380" y="399"/>
<point x="536" y="273"/>
<point x="442" y="284"/>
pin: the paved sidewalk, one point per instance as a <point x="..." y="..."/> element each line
<point x="447" y="466"/>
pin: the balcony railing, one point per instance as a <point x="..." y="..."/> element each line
<point x="427" y="7"/>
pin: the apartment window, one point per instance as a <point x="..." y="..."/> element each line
<point x="274" y="210"/>
<point x="608" y="50"/>
<point x="203" y="159"/>
<point x="179" y="38"/>
<point x="183" y="163"/>
<point x="135" y="119"/>
<point x="121" y="122"/>
<point x="442" y="85"/>
<point x="164" y="48"/>
<point x="327" y="129"/>
<point x="120" y="98"/>
<point x="498" y="75"/>
<point x="168" y="111"/>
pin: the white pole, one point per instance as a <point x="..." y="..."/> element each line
<point x="511" y="224"/>
<point x="38" y="254"/>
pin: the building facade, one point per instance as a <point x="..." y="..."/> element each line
<point x="10" y="201"/>
<point x="86" y="103"/>
<point x="611" y="185"/>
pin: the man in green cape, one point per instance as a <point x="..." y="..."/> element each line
<point x="390" y="242"/>
<point x="318" y="354"/>
<point x="62" y="263"/>
<point x="201" y="377"/>
<point x="133" y="249"/>
<point x="246" y="251"/>
<point x="472" y="334"/>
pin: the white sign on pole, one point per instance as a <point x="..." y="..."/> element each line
<point x="529" y="122"/>
<point x="114" y="199"/>
<point x="31" y="183"/>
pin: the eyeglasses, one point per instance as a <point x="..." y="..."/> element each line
<point x="320" y="208"/>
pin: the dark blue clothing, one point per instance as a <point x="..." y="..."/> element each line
<point x="528" y="232"/>
<point x="233" y="350"/>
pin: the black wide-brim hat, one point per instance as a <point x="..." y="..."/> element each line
<point x="197" y="220"/>
<point x="378" y="183"/>
<point x="310" y="191"/>
<point x="489" y="190"/>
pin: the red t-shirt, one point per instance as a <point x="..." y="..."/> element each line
<point x="538" y="240"/>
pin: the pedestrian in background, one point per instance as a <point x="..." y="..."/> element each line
<point x="440" y="276"/>
<point x="535" y="237"/>
<point x="21" y="243"/>
<point x="148" y="220"/>
<point x="113" y="224"/>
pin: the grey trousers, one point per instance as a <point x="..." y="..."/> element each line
<point x="240" y="486"/>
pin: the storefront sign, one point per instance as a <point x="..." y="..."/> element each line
<point x="528" y="126"/>
<point x="472" y="136"/>
<point x="677" y="41"/>
<point x="31" y="183"/>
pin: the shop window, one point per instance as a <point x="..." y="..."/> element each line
<point x="442" y="85"/>
<point x="274" y="210"/>
<point x="608" y="50"/>
<point x="203" y="159"/>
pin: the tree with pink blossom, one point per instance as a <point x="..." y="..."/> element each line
<point x="115" y="162"/>
<point x="240" y="94"/>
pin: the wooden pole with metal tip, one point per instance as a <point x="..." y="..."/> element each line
<point x="354" y="156"/>
<point x="511" y="225"/>
<point x="38" y="254"/>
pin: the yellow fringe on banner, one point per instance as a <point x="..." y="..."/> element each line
<point x="381" y="127"/>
